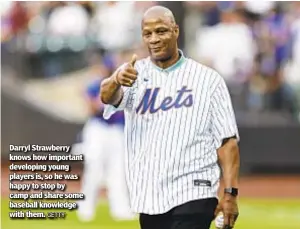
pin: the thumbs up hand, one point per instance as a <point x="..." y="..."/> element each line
<point x="127" y="75"/>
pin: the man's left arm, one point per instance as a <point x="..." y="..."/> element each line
<point x="225" y="136"/>
<point x="229" y="160"/>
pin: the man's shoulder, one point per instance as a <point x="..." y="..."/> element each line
<point x="203" y="69"/>
<point x="209" y="75"/>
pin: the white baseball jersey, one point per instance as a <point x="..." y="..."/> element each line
<point x="175" y="120"/>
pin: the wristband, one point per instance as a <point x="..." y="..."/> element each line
<point x="232" y="191"/>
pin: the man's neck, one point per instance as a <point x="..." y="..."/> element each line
<point x="167" y="63"/>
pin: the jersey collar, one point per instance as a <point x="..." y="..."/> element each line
<point x="174" y="66"/>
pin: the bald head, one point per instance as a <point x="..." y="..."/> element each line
<point x="160" y="33"/>
<point x="159" y="12"/>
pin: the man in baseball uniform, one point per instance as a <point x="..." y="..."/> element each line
<point x="180" y="132"/>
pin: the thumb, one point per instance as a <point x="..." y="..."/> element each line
<point x="133" y="60"/>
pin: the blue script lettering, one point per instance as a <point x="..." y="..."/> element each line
<point x="150" y="96"/>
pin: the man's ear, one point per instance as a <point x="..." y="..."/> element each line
<point x="176" y="30"/>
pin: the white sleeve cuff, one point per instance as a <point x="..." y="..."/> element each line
<point x="109" y="110"/>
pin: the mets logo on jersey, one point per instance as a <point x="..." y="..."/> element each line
<point x="184" y="98"/>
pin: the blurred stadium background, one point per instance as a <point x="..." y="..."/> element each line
<point x="51" y="50"/>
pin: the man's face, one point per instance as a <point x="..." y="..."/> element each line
<point x="160" y="36"/>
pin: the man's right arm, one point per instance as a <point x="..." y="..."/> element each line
<point x="111" y="88"/>
<point x="111" y="91"/>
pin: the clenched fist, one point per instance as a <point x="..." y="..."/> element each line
<point x="127" y="74"/>
<point x="229" y="207"/>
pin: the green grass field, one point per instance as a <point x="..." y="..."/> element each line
<point x="254" y="214"/>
